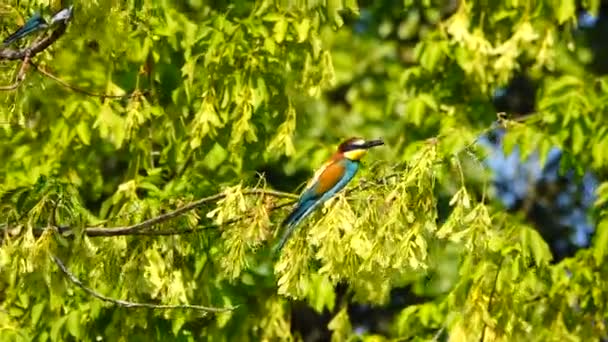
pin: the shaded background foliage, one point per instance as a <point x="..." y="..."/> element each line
<point x="196" y="98"/>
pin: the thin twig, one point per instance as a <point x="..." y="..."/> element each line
<point x="438" y="334"/>
<point x="483" y="332"/>
<point x="141" y="228"/>
<point x="178" y="231"/>
<point x="12" y="86"/>
<point x="20" y="75"/>
<point x="84" y="91"/>
<point x="137" y="229"/>
<point x="535" y="299"/>
<point x="364" y="184"/>
<point x="128" y="304"/>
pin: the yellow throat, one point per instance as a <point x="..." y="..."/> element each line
<point x="355" y="154"/>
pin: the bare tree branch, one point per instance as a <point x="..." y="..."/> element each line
<point x="139" y="228"/>
<point x="178" y="231"/>
<point x="20" y="76"/>
<point x="12" y="86"/>
<point x="84" y="91"/>
<point x="142" y="228"/>
<point x="128" y="304"/>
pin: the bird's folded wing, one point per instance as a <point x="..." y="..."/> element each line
<point x="324" y="179"/>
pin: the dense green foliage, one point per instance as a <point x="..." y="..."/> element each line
<point x="187" y="99"/>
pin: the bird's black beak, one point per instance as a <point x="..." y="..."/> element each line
<point x="371" y="143"/>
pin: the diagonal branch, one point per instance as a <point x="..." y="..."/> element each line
<point x="20" y="76"/>
<point x="139" y="228"/>
<point x="128" y="304"/>
<point x="178" y="231"/>
<point x="485" y="325"/>
<point x="438" y="334"/>
<point x="63" y="83"/>
<point x="142" y="227"/>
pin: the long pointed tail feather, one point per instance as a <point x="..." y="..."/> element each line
<point x="15" y="36"/>
<point x="35" y="23"/>
<point x="19" y="34"/>
<point x="292" y="221"/>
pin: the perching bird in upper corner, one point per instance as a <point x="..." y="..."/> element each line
<point x="37" y="22"/>
<point x="33" y="24"/>
<point x="327" y="181"/>
<point x="62" y="16"/>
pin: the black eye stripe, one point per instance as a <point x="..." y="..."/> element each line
<point x="352" y="148"/>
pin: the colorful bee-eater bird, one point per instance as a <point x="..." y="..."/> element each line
<point x="35" y="23"/>
<point x="327" y="181"/>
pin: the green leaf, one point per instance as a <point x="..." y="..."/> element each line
<point x="73" y="324"/>
<point x="417" y="108"/>
<point x="302" y="29"/>
<point x="322" y="293"/>
<point x="340" y="326"/>
<point x="56" y="327"/>
<point x="600" y="242"/>
<point x="37" y="310"/>
<point x="176" y="324"/>
<point x="430" y="54"/>
<point x="566" y="10"/>
<point x="84" y="132"/>
<point x="533" y="242"/>
<point x="280" y="30"/>
<point x="333" y="8"/>
<point x="578" y="138"/>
